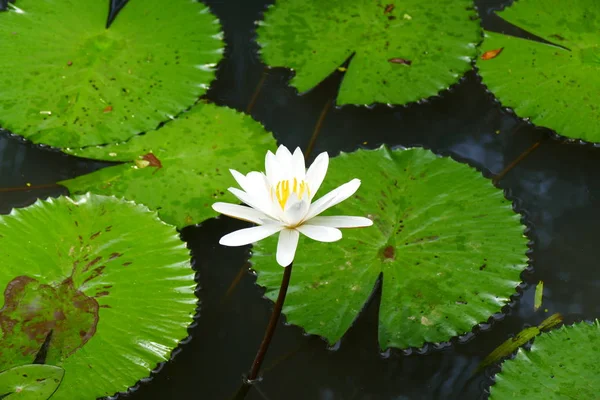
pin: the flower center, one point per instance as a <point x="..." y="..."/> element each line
<point x="284" y="188"/>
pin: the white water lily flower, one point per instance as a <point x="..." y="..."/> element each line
<point x="281" y="201"/>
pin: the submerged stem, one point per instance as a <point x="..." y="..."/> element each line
<point x="513" y="164"/>
<point x="31" y="187"/>
<point x="270" y="331"/>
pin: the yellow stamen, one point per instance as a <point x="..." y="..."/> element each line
<point x="282" y="190"/>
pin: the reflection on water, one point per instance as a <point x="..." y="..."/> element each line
<point x="557" y="187"/>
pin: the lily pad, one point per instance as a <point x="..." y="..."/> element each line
<point x="402" y="51"/>
<point x="448" y="244"/>
<point x="555" y="83"/>
<point x="182" y="168"/>
<point x="30" y="382"/>
<point x="74" y="83"/>
<point x="108" y="280"/>
<point x="562" y="364"/>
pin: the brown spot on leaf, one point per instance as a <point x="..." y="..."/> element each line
<point x="94" y="236"/>
<point x="389" y="252"/>
<point x="108" y="109"/>
<point x="398" y="60"/>
<point x="125" y="264"/>
<point x="95" y="273"/>
<point x="488" y="55"/>
<point x="92" y="263"/>
<point x="114" y="255"/>
<point x="389" y="8"/>
<point x="482" y="267"/>
<point x="102" y="294"/>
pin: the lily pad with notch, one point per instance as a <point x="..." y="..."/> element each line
<point x="182" y="168"/>
<point x="30" y="382"/>
<point x="561" y="364"/>
<point x="101" y="284"/>
<point x="401" y="51"/>
<point x="448" y="244"/>
<point x="555" y="80"/>
<point x="74" y="83"/>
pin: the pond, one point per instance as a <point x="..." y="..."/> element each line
<point x="553" y="183"/>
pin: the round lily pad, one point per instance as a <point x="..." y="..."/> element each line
<point x="402" y="51"/>
<point x="70" y="82"/>
<point x="561" y="365"/>
<point x="183" y="168"/>
<point x="448" y="244"/>
<point x="556" y="82"/>
<point x="105" y="280"/>
<point x="30" y="382"/>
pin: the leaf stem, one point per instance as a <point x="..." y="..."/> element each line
<point x="250" y="380"/>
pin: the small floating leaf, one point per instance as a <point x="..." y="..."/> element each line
<point x="449" y="246"/>
<point x="188" y="161"/>
<point x="111" y="282"/>
<point x="512" y="344"/>
<point x="555" y="82"/>
<point x="102" y="85"/>
<point x="488" y="55"/>
<point x="30" y="382"/>
<point x="539" y="293"/>
<point x="314" y="37"/>
<point x="562" y="364"/>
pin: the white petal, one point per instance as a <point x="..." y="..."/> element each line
<point x="316" y="173"/>
<point x="253" y="202"/>
<point x="285" y="158"/>
<point x="341" y="221"/>
<point x="320" y="233"/>
<point x="286" y="246"/>
<point x="258" y="186"/>
<point x="249" y="235"/>
<point x="332" y="198"/>
<point x="240" y="212"/>
<point x="272" y="168"/>
<point x="298" y="164"/>
<point x="296" y="209"/>
<point x="240" y="179"/>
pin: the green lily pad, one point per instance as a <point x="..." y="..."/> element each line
<point x="181" y="169"/>
<point x="556" y="84"/>
<point x="30" y="382"/>
<point x="562" y="364"/>
<point x="447" y="242"/>
<point x="110" y="282"/>
<point x="403" y="50"/>
<point x="74" y="83"/>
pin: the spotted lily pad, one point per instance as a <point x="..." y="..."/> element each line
<point x="446" y="241"/>
<point x="402" y="50"/>
<point x="561" y="365"/>
<point x="30" y="382"/>
<point x="182" y="168"/>
<point x="554" y="82"/>
<point x="74" y="83"/>
<point x="105" y="280"/>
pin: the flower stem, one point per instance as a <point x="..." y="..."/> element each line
<point x="264" y="346"/>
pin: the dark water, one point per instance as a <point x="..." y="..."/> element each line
<point x="557" y="188"/>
